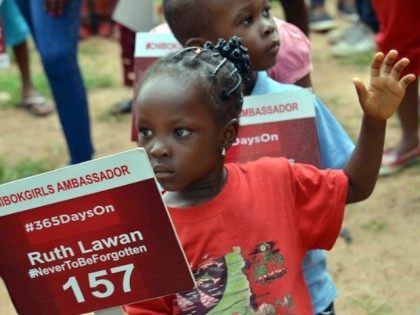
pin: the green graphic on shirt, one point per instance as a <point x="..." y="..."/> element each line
<point x="237" y="293"/>
<point x="267" y="263"/>
<point x="223" y="286"/>
<point x="286" y="301"/>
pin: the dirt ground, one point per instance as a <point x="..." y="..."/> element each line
<point x="378" y="273"/>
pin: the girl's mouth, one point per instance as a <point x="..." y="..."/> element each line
<point x="274" y="46"/>
<point x="162" y="171"/>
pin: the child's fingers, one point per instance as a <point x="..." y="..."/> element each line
<point x="389" y="61"/>
<point x="361" y="90"/>
<point x="376" y="64"/>
<point x="407" y="79"/>
<point x="399" y="67"/>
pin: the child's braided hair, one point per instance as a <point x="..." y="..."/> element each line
<point x="218" y="71"/>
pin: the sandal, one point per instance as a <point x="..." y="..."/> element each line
<point x="37" y="105"/>
<point x="392" y="163"/>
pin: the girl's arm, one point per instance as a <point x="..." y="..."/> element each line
<point x="379" y="102"/>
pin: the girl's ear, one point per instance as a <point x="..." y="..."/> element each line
<point x="230" y="133"/>
<point x="195" y="41"/>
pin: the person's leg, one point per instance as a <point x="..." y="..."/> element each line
<point x="367" y="14"/>
<point x="319" y="19"/>
<point x="17" y="32"/>
<point x="15" y="26"/>
<point x="407" y="151"/>
<point x="22" y="59"/>
<point x="360" y="37"/>
<point x="347" y="9"/>
<point x="127" y="44"/>
<point x="25" y="10"/>
<point x="317" y="3"/>
<point x="94" y="18"/>
<point x="104" y="10"/>
<point x="85" y="25"/>
<point x="296" y="12"/>
<point x="57" y="39"/>
<point x="408" y="113"/>
<point x="32" y="100"/>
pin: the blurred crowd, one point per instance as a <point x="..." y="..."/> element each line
<point x="351" y="27"/>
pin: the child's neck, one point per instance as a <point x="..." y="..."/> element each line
<point x="252" y="79"/>
<point x="197" y="193"/>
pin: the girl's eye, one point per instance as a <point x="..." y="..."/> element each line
<point x="266" y="12"/>
<point x="145" y="133"/>
<point x="182" y="132"/>
<point x="248" y="20"/>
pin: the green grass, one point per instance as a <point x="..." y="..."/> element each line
<point x="87" y="49"/>
<point x="372" y="307"/>
<point x="94" y="75"/>
<point x="94" y="78"/>
<point x="94" y="81"/>
<point x="361" y="60"/>
<point x="106" y="116"/>
<point x="416" y="168"/>
<point x="375" y="226"/>
<point x="10" y="85"/>
<point x="24" y="168"/>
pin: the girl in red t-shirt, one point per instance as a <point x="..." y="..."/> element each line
<point x="188" y="109"/>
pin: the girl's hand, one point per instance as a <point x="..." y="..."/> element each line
<point x="386" y="91"/>
<point x="55" y="7"/>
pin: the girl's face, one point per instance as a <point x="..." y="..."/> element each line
<point x="179" y="133"/>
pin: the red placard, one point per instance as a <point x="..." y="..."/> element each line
<point x="89" y="237"/>
<point x="4" y="58"/>
<point x="278" y="124"/>
<point x="149" y="48"/>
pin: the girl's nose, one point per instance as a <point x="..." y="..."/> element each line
<point x="268" y="26"/>
<point x="159" y="149"/>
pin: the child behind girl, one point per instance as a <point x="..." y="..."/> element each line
<point x="294" y="62"/>
<point x="245" y="228"/>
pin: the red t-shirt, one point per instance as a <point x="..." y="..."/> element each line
<point x="246" y="246"/>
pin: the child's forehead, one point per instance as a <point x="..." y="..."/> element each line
<point x="232" y="7"/>
<point x="177" y="78"/>
<point x="163" y="99"/>
<point x="169" y="87"/>
<point x="225" y="14"/>
<point x="165" y="84"/>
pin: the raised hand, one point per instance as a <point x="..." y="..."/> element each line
<point x="386" y="90"/>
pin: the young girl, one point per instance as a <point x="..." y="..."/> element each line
<point x="246" y="228"/>
<point x="194" y="23"/>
